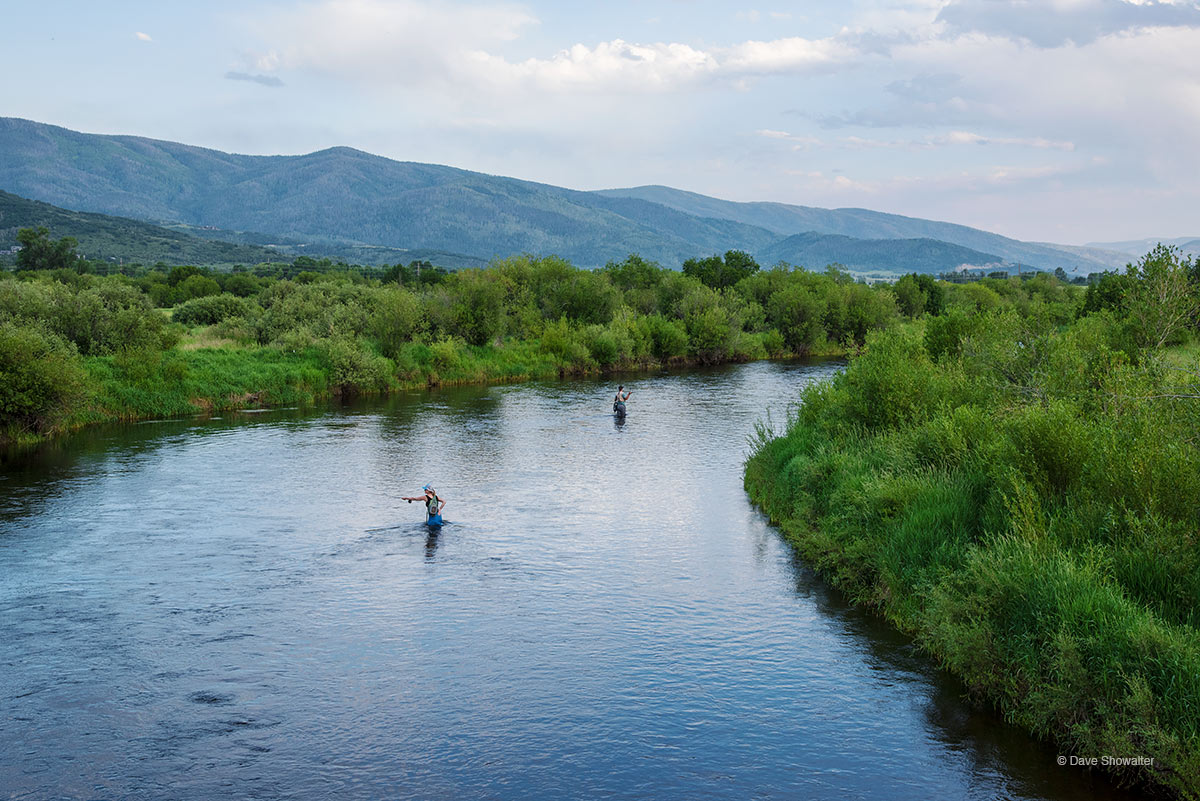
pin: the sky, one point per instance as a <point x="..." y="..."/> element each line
<point x="1053" y="120"/>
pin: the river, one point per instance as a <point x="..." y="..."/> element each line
<point x="244" y="607"/>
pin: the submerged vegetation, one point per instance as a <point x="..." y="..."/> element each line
<point x="1014" y="481"/>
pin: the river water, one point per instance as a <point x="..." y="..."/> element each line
<point x="244" y="607"/>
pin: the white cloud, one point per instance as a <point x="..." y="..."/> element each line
<point x="410" y="43"/>
<point x="1127" y="88"/>
<point x="142" y="37"/>
<point x="629" y="67"/>
<point x="608" y="65"/>
<point x="383" y="41"/>
<point x="790" y="55"/>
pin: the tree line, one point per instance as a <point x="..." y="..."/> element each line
<point x="404" y="324"/>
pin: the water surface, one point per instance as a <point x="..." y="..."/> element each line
<point x="244" y="607"/>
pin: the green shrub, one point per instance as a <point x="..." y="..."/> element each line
<point x="774" y="342"/>
<point x="602" y="345"/>
<point x="893" y="383"/>
<point x="99" y="319"/>
<point x="798" y="315"/>
<point x="476" y="307"/>
<point x="945" y="334"/>
<point x="397" y="318"/>
<point x="353" y="369"/>
<point x="447" y="354"/>
<point x="668" y="338"/>
<point x="559" y="339"/>
<point x="293" y="312"/>
<point x="211" y="310"/>
<point x="40" y="378"/>
<point x="195" y="286"/>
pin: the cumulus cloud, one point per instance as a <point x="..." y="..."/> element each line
<point x="791" y="55"/>
<point x="1048" y="23"/>
<point x="384" y="41"/>
<point x="625" y="66"/>
<point x="264" y="80"/>
<point x="142" y="37"/>
<point x="410" y="43"/>
<point x="607" y="65"/>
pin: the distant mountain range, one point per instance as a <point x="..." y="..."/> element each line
<point x="917" y="255"/>
<point x="103" y="237"/>
<point x="344" y="198"/>
<point x="1140" y="247"/>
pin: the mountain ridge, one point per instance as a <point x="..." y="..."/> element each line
<point x="917" y="255"/>
<point x="344" y="195"/>
<point x="104" y="237"/>
<point x="868" y="224"/>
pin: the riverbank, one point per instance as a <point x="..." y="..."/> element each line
<point x="78" y="348"/>
<point x="196" y="378"/>
<point x="1021" y="499"/>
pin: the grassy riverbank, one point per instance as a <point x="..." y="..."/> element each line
<point x="1020" y="494"/>
<point x="78" y="348"/>
<point x="186" y="381"/>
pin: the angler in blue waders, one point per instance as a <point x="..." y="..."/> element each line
<point x="433" y="505"/>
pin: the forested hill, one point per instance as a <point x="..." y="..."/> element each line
<point x="344" y="196"/>
<point x="105" y="238"/>
<point x="913" y="255"/>
<point x="782" y="218"/>
<point x="122" y="240"/>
